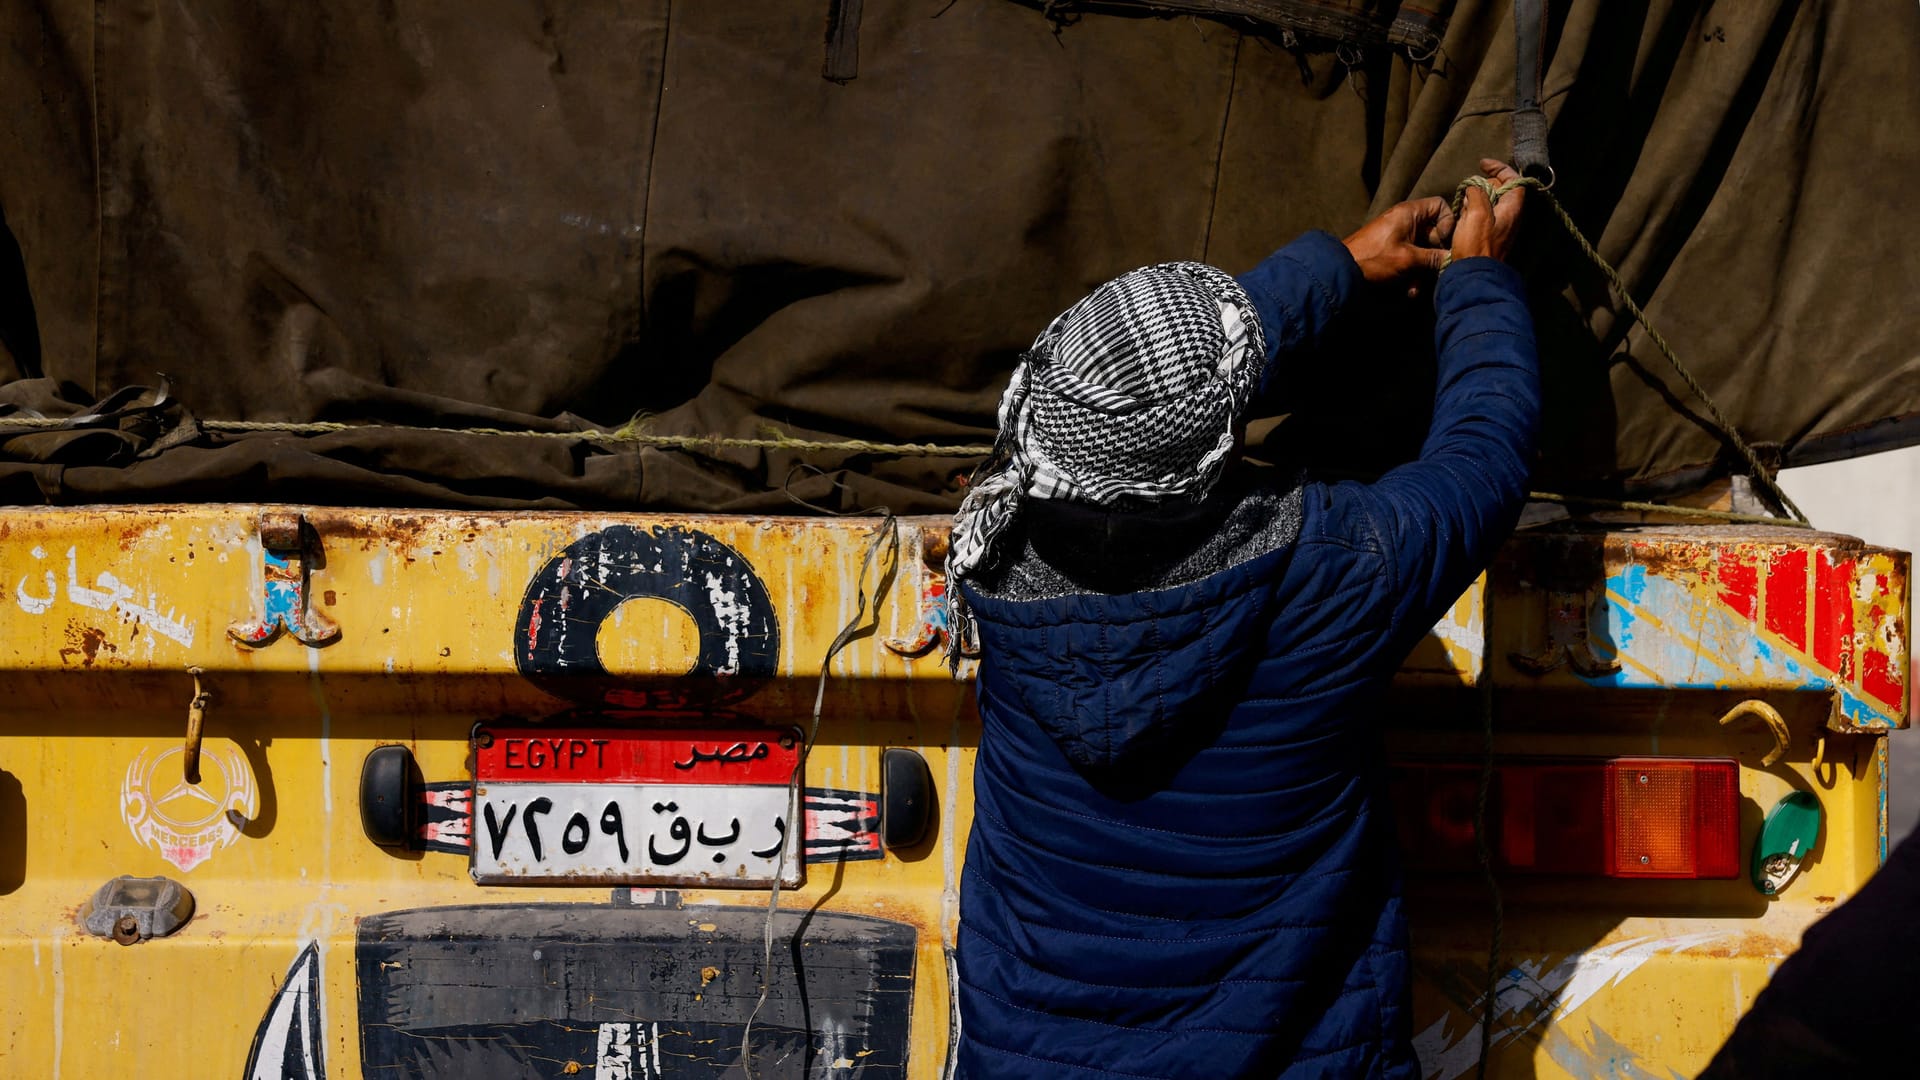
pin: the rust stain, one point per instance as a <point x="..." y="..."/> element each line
<point x="86" y="642"/>
<point x="1753" y="943"/>
<point x="328" y="596"/>
<point x="914" y="915"/>
<point x="1683" y="562"/>
<point x="402" y="532"/>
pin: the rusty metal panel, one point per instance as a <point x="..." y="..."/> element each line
<point x="1663" y="608"/>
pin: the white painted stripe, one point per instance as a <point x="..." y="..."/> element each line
<point x="289" y="1010"/>
<point x="326" y="733"/>
<point x="59" y="941"/>
<point x="613" y="1058"/>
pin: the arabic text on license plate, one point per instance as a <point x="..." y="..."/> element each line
<point x="612" y="805"/>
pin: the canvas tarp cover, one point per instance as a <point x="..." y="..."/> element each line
<point x="564" y="215"/>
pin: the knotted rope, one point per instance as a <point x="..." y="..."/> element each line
<point x="1723" y="425"/>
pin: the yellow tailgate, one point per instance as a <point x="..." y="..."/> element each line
<point x="317" y="636"/>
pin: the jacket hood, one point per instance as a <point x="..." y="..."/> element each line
<point x="1114" y="678"/>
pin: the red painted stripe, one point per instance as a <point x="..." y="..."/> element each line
<point x="1832" y="611"/>
<point x="1787" y="596"/>
<point x="1739" y="583"/>
<point x="622" y="755"/>
<point x="1877" y="673"/>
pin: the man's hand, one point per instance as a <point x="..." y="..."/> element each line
<point x="1486" y="229"/>
<point x="1404" y="244"/>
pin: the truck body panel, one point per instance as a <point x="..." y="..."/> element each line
<point x="305" y="639"/>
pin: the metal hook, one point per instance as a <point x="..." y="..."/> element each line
<point x="1773" y="720"/>
<point x="196" y="720"/>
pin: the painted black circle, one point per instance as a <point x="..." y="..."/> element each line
<point x="556" y="637"/>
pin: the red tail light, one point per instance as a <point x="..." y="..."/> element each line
<point x="1617" y="817"/>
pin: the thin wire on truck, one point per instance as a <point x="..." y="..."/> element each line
<point x="886" y="534"/>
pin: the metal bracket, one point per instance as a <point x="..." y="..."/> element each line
<point x="1774" y="721"/>
<point x="284" y="605"/>
<point x="196" y="722"/>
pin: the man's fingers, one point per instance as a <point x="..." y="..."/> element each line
<point x="1498" y="171"/>
<point x="1476" y="205"/>
<point x="1435" y="220"/>
<point x="1507" y="210"/>
<point x="1427" y="211"/>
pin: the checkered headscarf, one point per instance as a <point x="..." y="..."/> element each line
<point x="1131" y="395"/>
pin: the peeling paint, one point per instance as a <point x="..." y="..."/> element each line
<point x="1531" y="996"/>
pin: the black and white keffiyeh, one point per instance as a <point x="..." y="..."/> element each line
<point x="1132" y="395"/>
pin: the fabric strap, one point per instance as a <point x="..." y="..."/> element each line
<point x="1529" y="118"/>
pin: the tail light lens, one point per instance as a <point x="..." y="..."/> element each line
<point x="1637" y="817"/>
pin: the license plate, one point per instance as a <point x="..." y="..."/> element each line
<point x="610" y="805"/>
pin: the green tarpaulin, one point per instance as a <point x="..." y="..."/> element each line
<point x="567" y="214"/>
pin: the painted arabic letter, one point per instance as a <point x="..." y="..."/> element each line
<point x="680" y="831"/>
<point x="612" y="824"/>
<point x="535" y="808"/>
<point x="720" y="841"/>
<point x="497" y="830"/>
<point x="568" y="843"/>
<point x="117" y="591"/>
<point x="167" y="627"/>
<point x="79" y="593"/>
<point x="36" y="605"/>
<point x="779" y="826"/>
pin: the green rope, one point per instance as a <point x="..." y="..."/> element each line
<point x="1725" y="426"/>
<point x="1699" y="513"/>
<point x="627" y="435"/>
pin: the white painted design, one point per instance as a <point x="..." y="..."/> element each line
<point x="1527" y="998"/>
<point x="186" y="823"/>
<point x="734" y="617"/>
<point x="112" y="594"/>
<point x="627" y="1051"/>
<point x="1469" y="639"/>
<point x="287" y="1046"/>
<point x="37" y="605"/>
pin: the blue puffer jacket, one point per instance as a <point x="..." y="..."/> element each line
<point x="1239" y="916"/>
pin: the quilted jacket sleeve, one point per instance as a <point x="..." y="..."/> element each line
<point x="1439" y="519"/>
<point x="1297" y="292"/>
